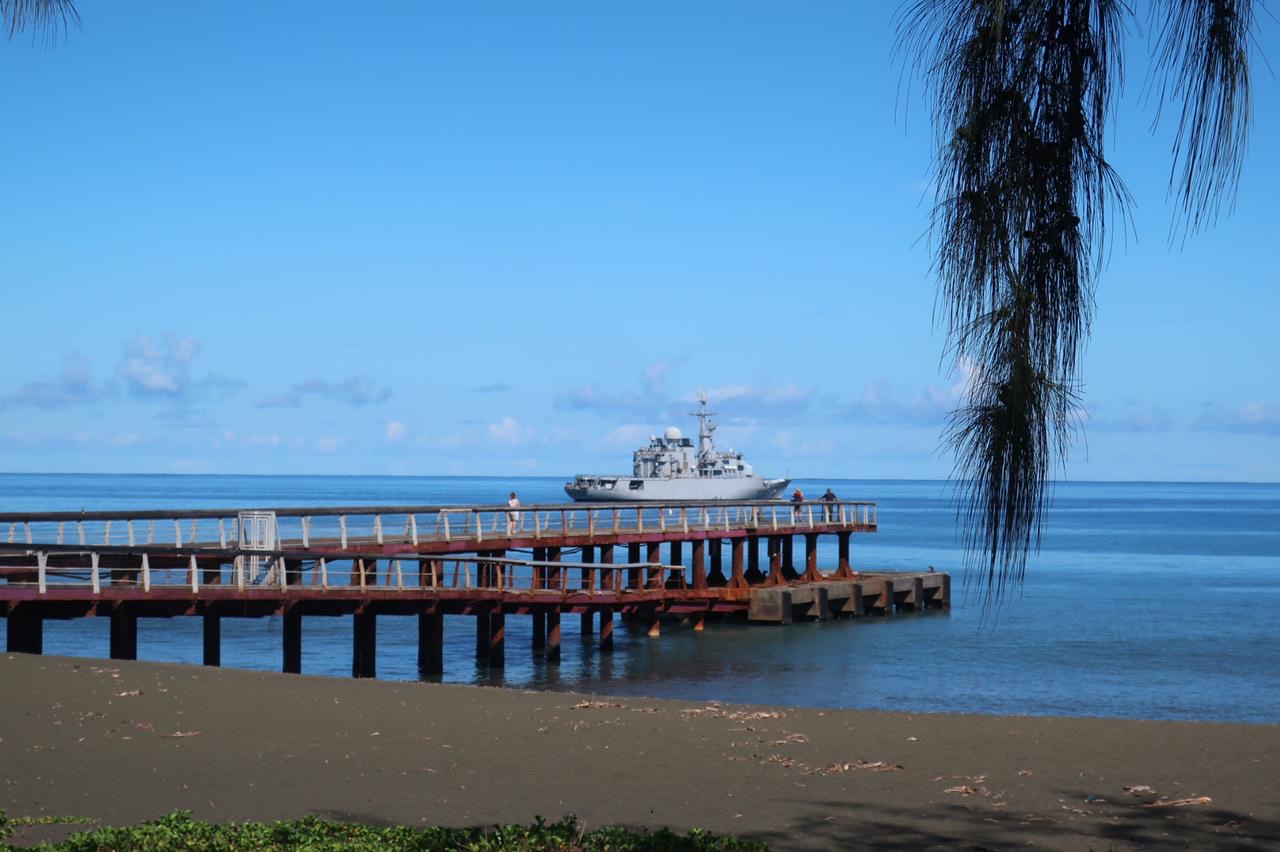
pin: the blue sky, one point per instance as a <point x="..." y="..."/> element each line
<point x="499" y="239"/>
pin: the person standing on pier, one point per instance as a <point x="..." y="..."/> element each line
<point x="513" y="513"/>
<point x="828" y="510"/>
<point x="797" y="498"/>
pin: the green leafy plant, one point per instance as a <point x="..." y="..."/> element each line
<point x="179" y="831"/>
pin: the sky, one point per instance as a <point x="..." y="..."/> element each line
<point x="518" y="239"/>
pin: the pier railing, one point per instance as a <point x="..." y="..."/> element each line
<point x="68" y="567"/>
<point x="345" y="526"/>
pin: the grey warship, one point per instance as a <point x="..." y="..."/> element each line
<point x="669" y="469"/>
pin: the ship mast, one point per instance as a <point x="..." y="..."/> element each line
<point x="706" y="447"/>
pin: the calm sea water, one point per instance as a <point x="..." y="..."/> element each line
<point x="1147" y="600"/>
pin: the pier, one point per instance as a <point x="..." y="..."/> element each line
<point x="645" y="563"/>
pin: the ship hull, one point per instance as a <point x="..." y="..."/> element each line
<point x="630" y="489"/>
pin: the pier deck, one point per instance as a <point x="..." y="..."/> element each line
<point x="429" y="561"/>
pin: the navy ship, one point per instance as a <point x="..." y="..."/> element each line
<point x="671" y="469"/>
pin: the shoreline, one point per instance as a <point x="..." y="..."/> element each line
<point x="126" y="741"/>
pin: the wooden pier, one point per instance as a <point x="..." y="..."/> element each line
<point x="429" y="561"/>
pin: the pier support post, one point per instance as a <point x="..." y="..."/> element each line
<point x="811" y="573"/>
<point x="775" y="560"/>
<point x="653" y="555"/>
<point x="677" y="553"/>
<point x="553" y="635"/>
<point x="24" y="631"/>
<point x="482" y="631"/>
<point x="124" y="634"/>
<point x="539" y="573"/>
<point x="212" y="636"/>
<point x="430" y="643"/>
<point x="633" y="574"/>
<point x="715" y="574"/>
<point x="364" y="645"/>
<point x="554" y="576"/>
<point x="737" y="580"/>
<point x="210" y="573"/>
<point x="699" y="621"/>
<point x="699" y="560"/>
<point x="843" y="569"/>
<point x="586" y="625"/>
<point x="497" y="638"/>
<point x="917" y="593"/>
<point x="753" y="574"/>
<point x="946" y="591"/>
<point x="606" y="629"/>
<point x="788" y="557"/>
<point x="292" y="638"/>
<point x="608" y="577"/>
<point x="539" y="618"/>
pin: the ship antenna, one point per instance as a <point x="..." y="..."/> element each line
<point x="706" y="447"/>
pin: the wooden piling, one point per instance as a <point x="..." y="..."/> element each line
<point x="606" y="629"/>
<point x="430" y="643"/>
<point x="497" y="638"/>
<point x="212" y="624"/>
<point x="292" y="636"/>
<point x="553" y="635"/>
<point x="364" y="644"/>
<point x="124" y="634"/>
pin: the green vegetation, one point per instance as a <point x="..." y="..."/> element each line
<point x="178" y="831"/>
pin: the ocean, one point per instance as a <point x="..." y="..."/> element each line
<point x="1146" y="600"/>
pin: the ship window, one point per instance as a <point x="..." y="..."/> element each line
<point x="637" y="484"/>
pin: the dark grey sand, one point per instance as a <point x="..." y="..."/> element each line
<point x="122" y="742"/>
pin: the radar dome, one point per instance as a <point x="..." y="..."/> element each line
<point x="672" y="434"/>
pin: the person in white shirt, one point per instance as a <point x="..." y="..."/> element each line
<point x="513" y="513"/>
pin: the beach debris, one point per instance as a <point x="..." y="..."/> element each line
<point x="1092" y="799"/>
<point x="785" y="762"/>
<point x="1024" y="771"/>
<point x="1177" y="803"/>
<point x="595" y="705"/>
<point x="717" y="712"/>
<point x="913" y="739"/>
<point x="129" y="693"/>
<point x="1140" y="790"/>
<point x="838" y="767"/>
<point x="180" y="734"/>
<point x="144" y="726"/>
<point x="962" y="789"/>
<point x="791" y="738"/>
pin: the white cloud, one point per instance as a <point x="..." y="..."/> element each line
<point x="509" y="431"/>
<point x="395" y="432"/>
<point x="162" y="370"/>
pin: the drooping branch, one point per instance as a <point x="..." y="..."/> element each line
<point x="1202" y="61"/>
<point x="50" y="17"/>
<point x="1021" y="93"/>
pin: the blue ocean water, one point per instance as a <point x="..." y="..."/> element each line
<point x="1147" y="600"/>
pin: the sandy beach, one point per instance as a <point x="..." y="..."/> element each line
<point x="125" y="741"/>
